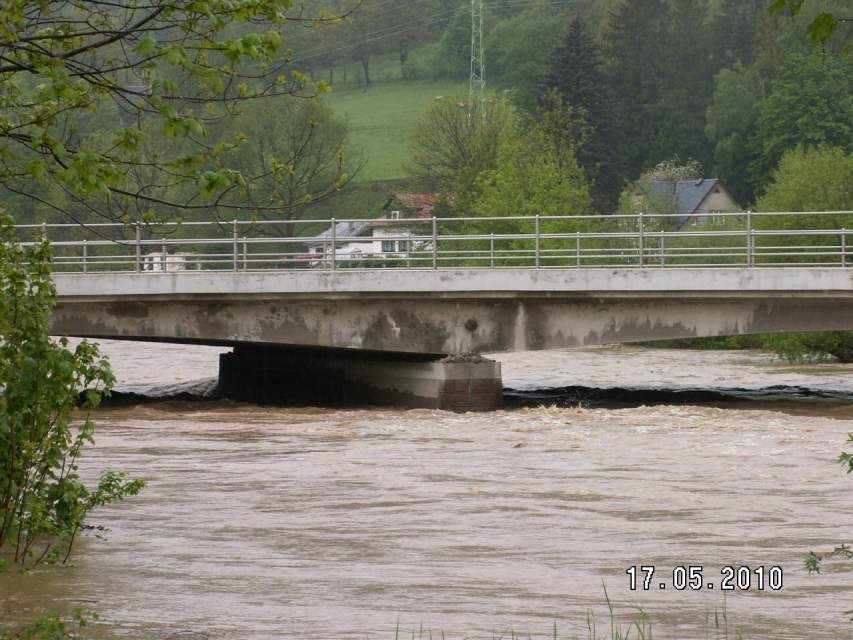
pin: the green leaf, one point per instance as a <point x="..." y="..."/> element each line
<point x="37" y="170"/>
<point x="146" y="47"/>
<point x="822" y="28"/>
<point x="777" y="5"/>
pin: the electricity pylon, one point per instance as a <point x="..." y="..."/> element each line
<point x="477" y="83"/>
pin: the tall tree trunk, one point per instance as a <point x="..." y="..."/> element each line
<point x="365" y="65"/>
<point x="404" y="55"/>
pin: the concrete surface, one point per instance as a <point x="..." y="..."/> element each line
<point x="328" y="377"/>
<point x="447" y="312"/>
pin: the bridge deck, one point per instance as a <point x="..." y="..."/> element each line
<point x="467" y="283"/>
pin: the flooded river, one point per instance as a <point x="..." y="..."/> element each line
<point x="264" y="522"/>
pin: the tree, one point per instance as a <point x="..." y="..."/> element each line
<point x="734" y="27"/>
<point x="518" y="49"/>
<point x="43" y="501"/>
<point x="810" y="104"/>
<point x="298" y="147"/>
<point x="575" y="87"/>
<point x="454" y="47"/>
<point x="822" y="28"/>
<point x="635" y="55"/>
<point x="533" y="177"/>
<point x="731" y="127"/>
<point x="374" y="27"/>
<point x="817" y="179"/>
<point x="88" y="86"/>
<point x="687" y="85"/>
<point x="450" y="148"/>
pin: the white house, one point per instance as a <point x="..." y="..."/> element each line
<point x="383" y="238"/>
<point x="169" y="262"/>
<point x="386" y="238"/>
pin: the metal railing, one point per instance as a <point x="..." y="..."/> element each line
<point x="810" y="239"/>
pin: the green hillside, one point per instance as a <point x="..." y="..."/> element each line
<point x="382" y="119"/>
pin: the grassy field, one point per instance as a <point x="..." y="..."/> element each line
<point x="382" y="119"/>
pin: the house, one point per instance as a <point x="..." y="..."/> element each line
<point x="170" y="262"/>
<point x="388" y="237"/>
<point x="411" y="205"/>
<point x="352" y="239"/>
<point x="695" y="201"/>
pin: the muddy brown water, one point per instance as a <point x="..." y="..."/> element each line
<point x="264" y="522"/>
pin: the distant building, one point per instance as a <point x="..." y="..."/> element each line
<point x="389" y="237"/>
<point x="695" y="201"/>
<point x="411" y="205"/>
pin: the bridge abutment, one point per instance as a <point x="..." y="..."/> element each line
<point x="269" y="374"/>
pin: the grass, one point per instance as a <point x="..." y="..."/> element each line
<point x="383" y="117"/>
<point x="639" y="627"/>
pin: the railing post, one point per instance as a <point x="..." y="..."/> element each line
<point x="434" y="243"/>
<point x="234" y="238"/>
<point x="245" y="254"/>
<point x="538" y="242"/>
<point x="163" y="255"/>
<point x="492" y="250"/>
<point x="578" y="248"/>
<point x="843" y="247"/>
<point x="85" y="256"/>
<point x="642" y="241"/>
<point x="138" y="248"/>
<point x="750" y="241"/>
<point x="334" y="239"/>
<point x="662" y="248"/>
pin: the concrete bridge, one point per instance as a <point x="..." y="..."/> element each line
<point x="378" y="334"/>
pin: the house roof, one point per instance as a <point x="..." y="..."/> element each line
<point x="421" y="203"/>
<point x="343" y="230"/>
<point x="688" y="194"/>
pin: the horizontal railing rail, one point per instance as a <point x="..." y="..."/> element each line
<point x="748" y="239"/>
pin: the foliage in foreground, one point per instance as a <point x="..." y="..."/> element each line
<point x="52" y="627"/>
<point x="107" y="106"/>
<point x="43" y="501"/>
<point x="843" y="551"/>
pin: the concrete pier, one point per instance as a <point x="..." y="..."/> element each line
<point x="329" y="377"/>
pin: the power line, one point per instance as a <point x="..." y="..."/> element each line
<point x="403" y="27"/>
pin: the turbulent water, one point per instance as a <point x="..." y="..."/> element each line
<point x="263" y="522"/>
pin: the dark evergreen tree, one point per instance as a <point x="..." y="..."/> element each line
<point x="575" y="74"/>
<point x="734" y="28"/>
<point x="635" y="53"/>
<point x="687" y="86"/>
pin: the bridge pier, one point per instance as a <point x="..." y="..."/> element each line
<point x="329" y="377"/>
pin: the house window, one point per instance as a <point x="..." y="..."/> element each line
<point x="403" y="246"/>
<point x="387" y="246"/>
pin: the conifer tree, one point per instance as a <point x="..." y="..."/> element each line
<point x="734" y="28"/>
<point x="575" y="75"/>
<point x="635" y="54"/>
<point x="687" y="85"/>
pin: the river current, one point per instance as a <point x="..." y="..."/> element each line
<point x="263" y="522"/>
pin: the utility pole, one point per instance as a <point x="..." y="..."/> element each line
<point x="477" y="82"/>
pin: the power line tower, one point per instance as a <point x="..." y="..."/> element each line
<point x="477" y="83"/>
